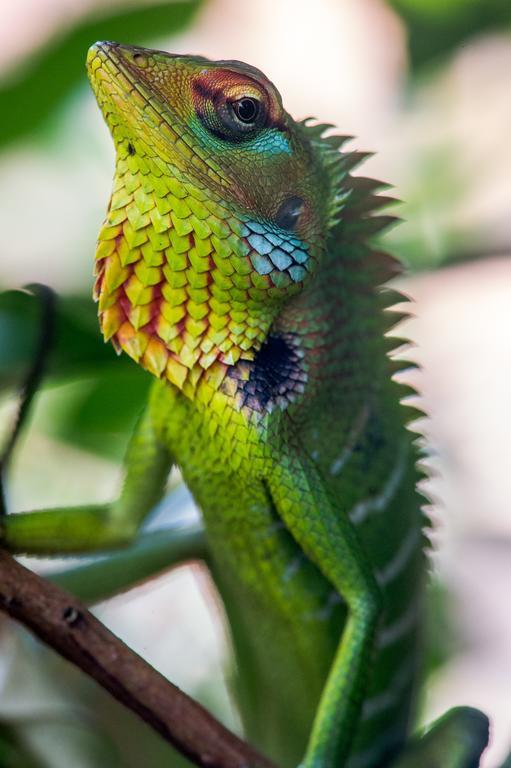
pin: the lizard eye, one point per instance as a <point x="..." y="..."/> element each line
<point x="246" y="109"/>
<point x="241" y="118"/>
<point x="232" y="108"/>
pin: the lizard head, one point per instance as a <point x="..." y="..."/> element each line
<point x="217" y="215"/>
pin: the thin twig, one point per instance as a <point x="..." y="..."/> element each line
<point x="65" y="625"/>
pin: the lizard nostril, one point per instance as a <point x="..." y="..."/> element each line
<point x="139" y="59"/>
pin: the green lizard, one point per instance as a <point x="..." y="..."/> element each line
<point x="235" y="265"/>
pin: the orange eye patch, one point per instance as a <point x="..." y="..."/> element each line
<point x="214" y="88"/>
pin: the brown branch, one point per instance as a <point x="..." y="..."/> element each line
<point x="66" y="625"/>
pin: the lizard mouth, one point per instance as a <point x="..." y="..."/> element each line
<point x="112" y="81"/>
<point x="116" y="75"/>
<point x="127" y="82"/>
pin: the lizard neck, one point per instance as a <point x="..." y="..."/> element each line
<point x="181" y="283"/>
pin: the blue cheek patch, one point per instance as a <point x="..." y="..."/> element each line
<point x="260" y="244"/>
<point x="273" y="249"/>
<point x="281" y="259"/>
<point x="271" y="142"/>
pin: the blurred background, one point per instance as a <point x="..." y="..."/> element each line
<point x="426" y="84"/>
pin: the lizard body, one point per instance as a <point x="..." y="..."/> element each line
<point x="279" y="350"/>
<point x="235" y="265"/>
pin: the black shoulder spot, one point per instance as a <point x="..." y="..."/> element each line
<point x="274" y="378"/>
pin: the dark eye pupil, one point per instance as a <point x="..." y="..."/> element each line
<point x="246" y="109"/>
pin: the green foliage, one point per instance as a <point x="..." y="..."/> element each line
<point x="12" y="753"/>
<point x="436" y="27"/>
<point x="79" y="349"/>
<point x="97" y="414"/>
<point x="102" y="396"/>
<point x="32" y="94"/>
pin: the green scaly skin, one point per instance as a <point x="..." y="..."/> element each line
<point x="234" y="265"/>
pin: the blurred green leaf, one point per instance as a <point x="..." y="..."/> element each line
<point x="12" y="753"/>
<point x="79" y="349"/>
<point x="436" y="27"/>
<point x="103" y="394"/>
<point x="33" y="92"/>
<point x="97" y="414"/>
